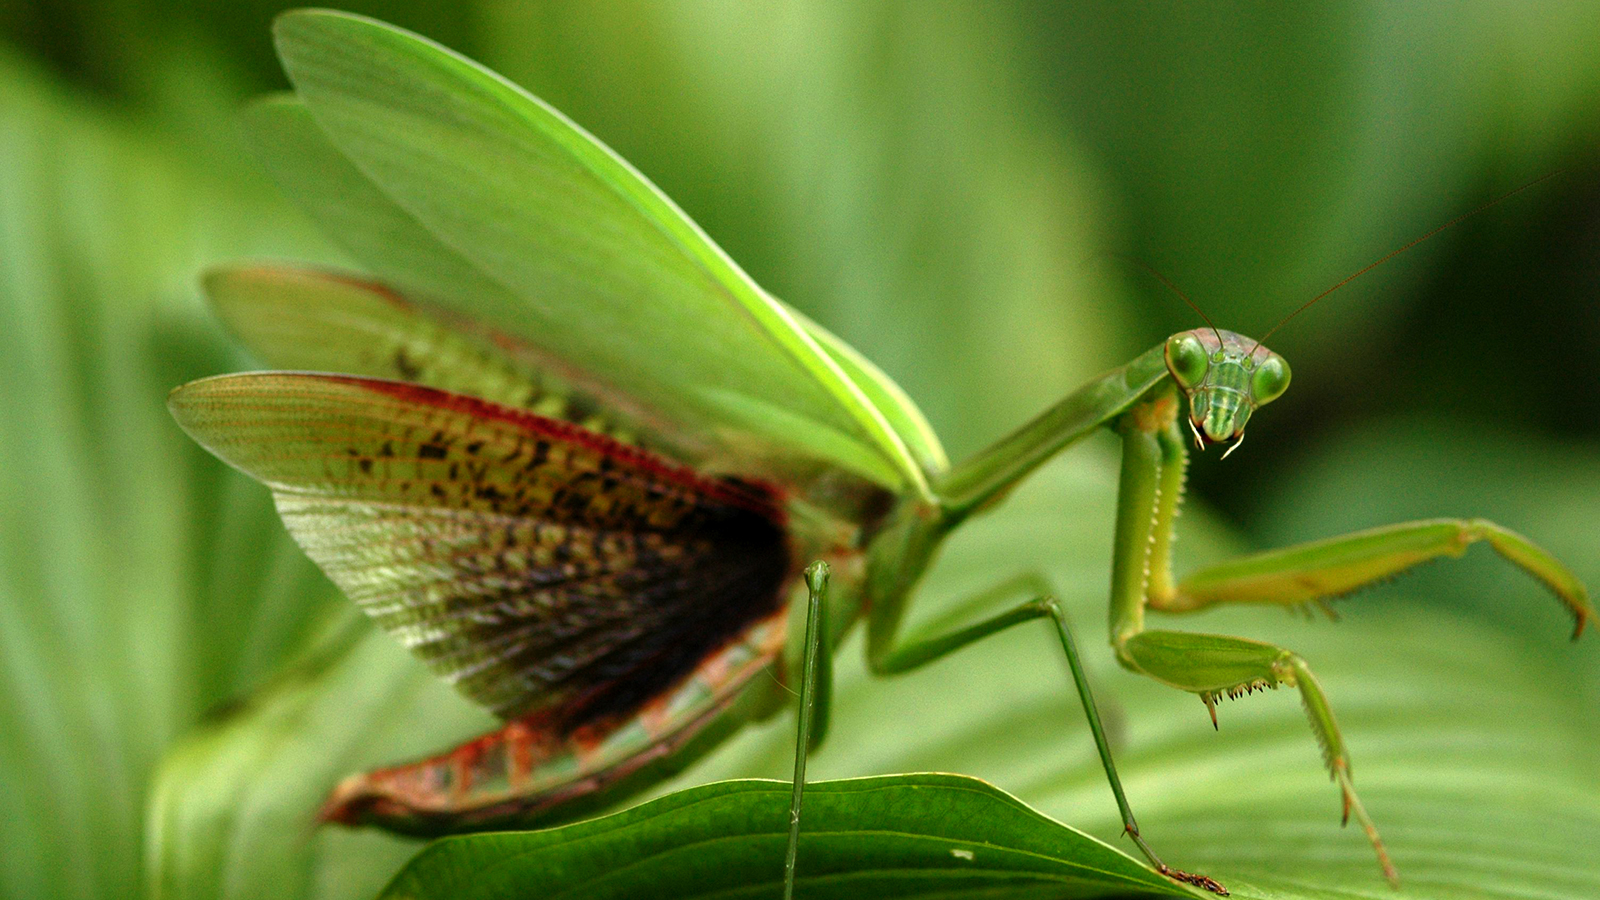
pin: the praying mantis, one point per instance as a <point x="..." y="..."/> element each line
<point x="583" y="466"/>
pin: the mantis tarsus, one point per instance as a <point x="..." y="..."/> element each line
<point x="587" y="493"/>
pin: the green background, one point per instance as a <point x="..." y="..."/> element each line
<point x="941" y="184"/>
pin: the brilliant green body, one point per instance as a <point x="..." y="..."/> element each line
<point x="570" y="426"/>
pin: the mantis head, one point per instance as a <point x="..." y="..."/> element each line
<point x="1226" y="376"/>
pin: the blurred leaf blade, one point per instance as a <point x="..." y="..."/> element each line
<point x="1464" y="736"/>
<point x="101" y="561"/>
<point x="233" y="806"/>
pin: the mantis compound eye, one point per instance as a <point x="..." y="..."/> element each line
<point x="1187" y="360"/>
<point x="1270" y="380"/>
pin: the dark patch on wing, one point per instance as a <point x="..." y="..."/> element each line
<point x="408" y="369"/>
<point x="542" y="567"/>
<point x="615" y="639"/>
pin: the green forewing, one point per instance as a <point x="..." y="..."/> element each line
<point x="591" y="262"/>
<point x="899" y="409"/>
<point x="356" y="214"/>
<point x="386" y="238"/>
<point x="539" y="567"/>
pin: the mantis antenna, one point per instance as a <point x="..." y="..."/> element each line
<point x="1397" y="251"/>
<point x="1174" y="288"/>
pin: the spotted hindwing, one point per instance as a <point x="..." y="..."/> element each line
<point x="542" y="568"/>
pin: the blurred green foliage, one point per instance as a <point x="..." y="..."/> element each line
<point x="937" y="183"/>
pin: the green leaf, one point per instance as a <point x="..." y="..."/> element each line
<point x="1468" y="741"/>
<point x="892" y="836"/>
<point x="610" y="276"/>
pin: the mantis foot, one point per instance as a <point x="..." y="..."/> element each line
<point x="1199" y="881"/>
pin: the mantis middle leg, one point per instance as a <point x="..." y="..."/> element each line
<point x="899" y="656"/>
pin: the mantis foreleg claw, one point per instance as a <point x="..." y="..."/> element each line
<point x="1217" y="666"/>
